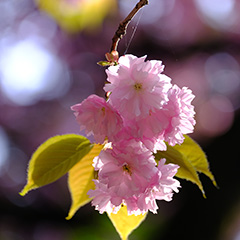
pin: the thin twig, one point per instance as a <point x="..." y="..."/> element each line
<point x="122" y="28"/>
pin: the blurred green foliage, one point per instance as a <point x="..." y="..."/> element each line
<point x="77" y="15"/>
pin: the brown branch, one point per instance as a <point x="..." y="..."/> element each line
<point x="122" y="28"/>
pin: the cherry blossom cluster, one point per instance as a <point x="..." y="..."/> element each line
<point x="142" y="112"/>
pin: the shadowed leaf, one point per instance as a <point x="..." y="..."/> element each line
<point x="191" y="159"/>
<point x="80" y="180"/>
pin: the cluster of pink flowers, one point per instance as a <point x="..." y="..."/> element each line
<point x="143" y="112"/>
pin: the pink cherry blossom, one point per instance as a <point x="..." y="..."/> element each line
<point x="180" y="113"/>
<point x="167" y="124"/>
<point x="137" y="87"/>
<point x="144" y="111"/>
<point x="127" y="167"/>
<point x="98" y="117"/>
<point x="102" y="199"/>
<point x="160" y="187"/>
<point x="128" y="174"/>
<point x="150" y="130"/>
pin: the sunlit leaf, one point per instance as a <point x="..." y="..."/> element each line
<point x="74" y="16"/>
<point x="196" y="156"/>
<point x="80" y="180"/>
<point x="191" y="159"/>
<point x="54" y="158"/>
<point x="124" y="223"/>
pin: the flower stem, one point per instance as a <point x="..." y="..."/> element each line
<point x="122" y="28"/>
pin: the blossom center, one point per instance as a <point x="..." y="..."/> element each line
<point x="126" y="168"/>
<point x="103" y="110"/>
<point x="138" y="87"/>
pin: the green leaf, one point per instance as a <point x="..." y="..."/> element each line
<point x="104" y="63"/>
<point x="80" y="180"/>
<point x="124" y="223"/>
<point x="191" y="159"/>
<point x="197" y="157"/>
<point x="75" y="16"/>
<point x="54" y="158"/>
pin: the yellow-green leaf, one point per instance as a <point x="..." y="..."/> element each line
<point x="80" y="180"/>
<point x="196" y="156"/>
<point x="54" y="158"/>
<point x="191" y="159"/>
<point x="124" y="223"/>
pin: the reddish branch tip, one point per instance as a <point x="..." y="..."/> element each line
<point x="113" y="56"/>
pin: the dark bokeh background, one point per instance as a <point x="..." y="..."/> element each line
<point x="45" y="69"/>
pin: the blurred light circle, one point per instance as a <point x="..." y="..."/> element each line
<point x="218" y="14"/>
<point x="4" y="150"/>
<point x="35" y="24"/>
<point x="16" y="174"/>
<point x="215" y="116"/>
<point x="237" y="236"/>
<point x="222" y="71"/>
<point x="225" y="81"/>
<point x="30" y="72"/>
<point x="12" y="10"/>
